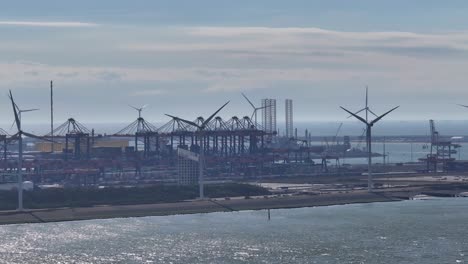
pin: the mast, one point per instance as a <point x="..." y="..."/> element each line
<point x="52" y="116"/>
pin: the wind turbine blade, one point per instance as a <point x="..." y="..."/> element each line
<point x="144" y="106"/>
<point x="380" y="117"/>
<point x="213" y="115"/>
<point x="134" y="107"/>
<point x="268" y="105"/>
<point x="338" y="130"/>
<point x="248" y="100"/>
<point x="185" y="121"/>
<point x="357" y="112"/>
<point x="367" y="97"/>
<point x="353" y="114"/>
<point x="370" y="111"/>
<point x="29" y="110"/>
<point x="17" y="121"/>
<point x="36" y="137"/>
<point x="12" y="124"/>
<point x="263" y="107"/>
<point x="466" y="106"/>
<point x="13" y="138"/>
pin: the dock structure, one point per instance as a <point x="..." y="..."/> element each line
<point x="233" y="137"/>
<point x="441" y="150"/>
<point x="228" y="148"/>
<point x="144" y="134"/>
<point x="72" y="138"/>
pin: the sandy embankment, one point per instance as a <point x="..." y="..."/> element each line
<point x="189" y="207"/>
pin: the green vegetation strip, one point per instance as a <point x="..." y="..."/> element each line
<point x="85" y="197"/>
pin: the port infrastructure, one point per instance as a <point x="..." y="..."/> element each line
<point x="77" y="139"/>
<point x="201" y="125"/>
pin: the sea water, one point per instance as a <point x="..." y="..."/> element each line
<point x="430" y="231"/>
<point x="400" y="152"/>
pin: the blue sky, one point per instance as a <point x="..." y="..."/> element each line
<point x="189" y="57"/>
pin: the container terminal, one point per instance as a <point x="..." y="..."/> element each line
<point x="234" y="149"/>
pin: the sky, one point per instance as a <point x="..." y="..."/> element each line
<point x="187" y="58"/>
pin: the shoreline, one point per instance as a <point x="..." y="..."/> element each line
<point x="192" y="207"/>
<point x="402" y="189"/>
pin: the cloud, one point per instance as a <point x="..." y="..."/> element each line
<point x="29" y="63"/>
<point x="109" y="75"/>
<point x="148" y="92"/>
<point x="311" y="42"/>
<point x="32" y="73"/>
<point x="229" y="59"/>
<point x="59" y="24"/>
<point x="67" y="74"/>
<point x="418" y="51"/>
<point x="238" y="85"/>
<point x="214" y="79"/>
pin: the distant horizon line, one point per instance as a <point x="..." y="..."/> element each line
<point x="278" y="123"/>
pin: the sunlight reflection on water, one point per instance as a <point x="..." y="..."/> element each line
<point x="432" y="231"/>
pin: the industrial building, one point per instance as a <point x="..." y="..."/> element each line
<point x="187" y="167"/>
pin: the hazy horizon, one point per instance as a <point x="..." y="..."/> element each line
<point x="316" y="128"/>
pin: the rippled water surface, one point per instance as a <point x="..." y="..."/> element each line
<point x="434" y="231"/>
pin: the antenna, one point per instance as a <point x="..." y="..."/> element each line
<point x="52" y="116"/>
<point x="367" y="103"/>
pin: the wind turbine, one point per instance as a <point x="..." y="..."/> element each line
<point x="369" y="126"/>
<point x="140" y="120"/>
<point x="139" y="109"/>
<point x="25" y="110"/>
<point x="201" y="128"/>
<point x="19" y="136"/>
<point x="20" y="111"/>
<point x="255" y="109"/>
<point x="366" y="108"/>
